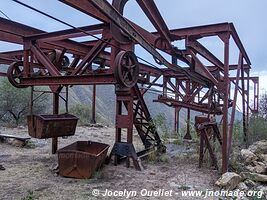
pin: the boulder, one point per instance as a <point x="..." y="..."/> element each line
<point x="264" y="158"/>
<point x="248" y="156"/>
<point x="228" y="181"/>
<point x="242" y="186"/>
<point x="257" y="167"/>
<point x="260" y="167"/>
<point x="254" y="176"/>
<point x="259" y="147"/>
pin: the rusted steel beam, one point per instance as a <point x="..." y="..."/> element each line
<point x="240" y="63"/>
<point x="20" y="31"/>
<point x="193" y="106"/>
<point x="91" y="55"/>
<point x="210" y="30"/>
<point x="88" y="8"/>
<point x="9" y="37"/>
<point x="11" y="54"/>
<point x="144" y="90"/>
<point x="2" y="74"/>
<point x="175" y="89"/>
<point x="199" y="31"/>
<point x="204" y="52"/>
<point x="151" y="11"/>
<point x="17" y="28"/>
<point x="6" y="59"/>
<point x="41" y="57"/>
<point x="68" y="33"/>
<point x="202" y="70"/>
<point x="244" y="105"/>
<point x="55" y="112"/>
<point x="253" y="78"/>
<point x="122" y="23"/>
<point x="225" y="158"/>
<point x="239" y="43"/>
<point x="101" y="79"/>
<point x="93" y="120"/>
<point x="234" y="67"/>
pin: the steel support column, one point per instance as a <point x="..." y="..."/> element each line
<point x="55" y="112"/>
<point x="226" y="82"/>
<point x="240" y="64"/>
<point x="93" y="120"/>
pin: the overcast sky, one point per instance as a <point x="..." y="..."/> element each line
<point x="248" y="16"/>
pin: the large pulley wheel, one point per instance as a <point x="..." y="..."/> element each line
<point x="55" y="57"/>
<point x="14" y="73"/>
<point x="126" y="68"/>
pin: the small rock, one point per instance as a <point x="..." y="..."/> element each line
<point x="16" y="143"/>
<point x="254" y="176"/>
<point x="250" y="183"/>
<point x="242" y="186"/>
<point x="2" y="167"/>
<point x="54" y="167"/>
<point x="173" y="184"/>
<point x="248" y="156"/>
<point x="42" y="188"/>
<point x="228" y="181"/>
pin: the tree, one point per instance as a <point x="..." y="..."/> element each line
<point x="14" y="103"/>
<point x="263" y="105"/>
<point x="258" y="121"/>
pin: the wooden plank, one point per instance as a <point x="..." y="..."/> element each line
<point x="21" y="138"/>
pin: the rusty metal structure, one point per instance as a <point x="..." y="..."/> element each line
<point x="183" y="76"/>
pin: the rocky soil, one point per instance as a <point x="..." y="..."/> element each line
<point x="29" y="171"/>
<point x="250" y="166"/>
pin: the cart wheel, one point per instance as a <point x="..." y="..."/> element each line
<point x="14" y="73"/>
<point x="126" y="68"/>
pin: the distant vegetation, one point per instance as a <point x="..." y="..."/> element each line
<point x="84" y="113"/>
<point x="14" y="104"/>
<point x="257" y="126"/>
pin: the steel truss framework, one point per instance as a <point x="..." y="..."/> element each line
<point x="205" y="88"/>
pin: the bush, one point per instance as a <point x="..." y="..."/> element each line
<point x="14" y="104"/>
<point x="84" y="113"/>
<point x="257" y="128"/>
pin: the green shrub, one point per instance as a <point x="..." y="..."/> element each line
<point x="84" y="113"/>
<point x="29" y="196"/>
<point x="257" y="128"/>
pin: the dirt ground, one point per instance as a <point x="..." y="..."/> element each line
<point x="29" y="172"/>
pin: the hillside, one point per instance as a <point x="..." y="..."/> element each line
<point x="105" y="96"/>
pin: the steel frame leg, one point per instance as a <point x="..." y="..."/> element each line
<point x="124" y="121"/>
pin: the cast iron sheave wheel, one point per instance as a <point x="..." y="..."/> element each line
<point x="14" y="73"/>
<point x="55" y="56"/>
<point x="126" y="68"/>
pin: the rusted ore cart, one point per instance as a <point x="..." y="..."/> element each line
<point x="78" y="160"/>
<point x="50" y="126"/>
<point x="81" y="159"/>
